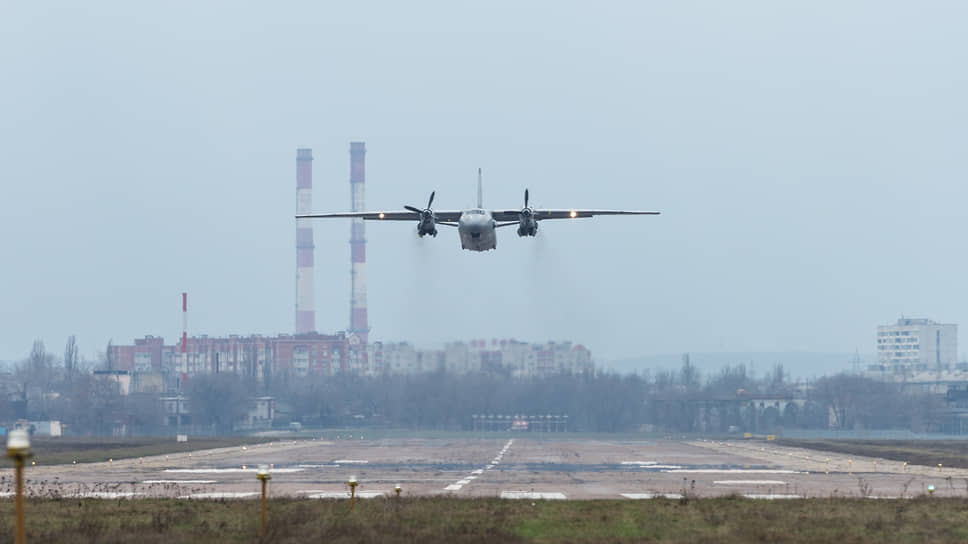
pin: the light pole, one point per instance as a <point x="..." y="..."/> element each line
<point x="18" y="449"/>
<point x="264" y="477"/>
<point x="352" y="483"/>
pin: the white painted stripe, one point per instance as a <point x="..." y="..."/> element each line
<point x="465" y="481"/>
<point x="219" y="495"/>
<point x="772" y="496"/>
<point x="149" y="482"/>
<point x="351" y="461"/>
<point x="638" y="462"/>
<point x="228" y="470"/>
<point x="105" y="495"/>
<point x="532" y="495"/>
<point x="478" y="471"/>
<point x="733" y="471"/>
<point x="341" y="494"/>
<point x="749" y="482"/>
<point x="674" y="496"/>
<point x="318" y="466"/>
<point x="669" y="467"/>
<point x="454" y="487"/>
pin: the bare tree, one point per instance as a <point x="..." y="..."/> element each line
<point x="70" y="359"/>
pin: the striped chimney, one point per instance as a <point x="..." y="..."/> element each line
<point x="358" y="321"/>
<point x="305" y="293"/>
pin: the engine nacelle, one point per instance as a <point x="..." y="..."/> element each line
<point x="427" y="224"/>
<point x="527" y="225"/>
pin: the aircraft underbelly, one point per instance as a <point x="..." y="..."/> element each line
<point x="483" y="241"/>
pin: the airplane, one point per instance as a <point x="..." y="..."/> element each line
<point x="476" y="226"/>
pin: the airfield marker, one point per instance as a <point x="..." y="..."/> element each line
<point x="352" y="483"/>
<point x="263" y="476"/>
<point x="18" y="449"/>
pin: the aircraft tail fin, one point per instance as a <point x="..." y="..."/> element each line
<point x="480" y="190"/>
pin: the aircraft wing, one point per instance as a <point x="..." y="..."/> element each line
<point x="540" y="215"/>
<point x="442" y="216"/>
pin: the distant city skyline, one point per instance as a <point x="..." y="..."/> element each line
<point x="809" y="168"/>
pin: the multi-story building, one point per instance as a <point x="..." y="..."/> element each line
<point x="915" y="345"/>
<point x="151" y="365"/>
<point x="521" y="359"/>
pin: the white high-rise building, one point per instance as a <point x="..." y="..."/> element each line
<point x="914" y="345"/>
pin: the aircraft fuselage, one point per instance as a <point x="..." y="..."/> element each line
<point x="477" y="230"/>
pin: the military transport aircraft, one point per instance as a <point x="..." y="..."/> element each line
<point x="476" y="226"/>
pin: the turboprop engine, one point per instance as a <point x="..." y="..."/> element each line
<point x="527" y="224"/>
<point x="428" y="222"/>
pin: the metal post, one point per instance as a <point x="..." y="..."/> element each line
<point x="19" y="500"/>
<point x="265" y="517"/>
<point x="264" y="476"/>
<point x="352" y="483"/>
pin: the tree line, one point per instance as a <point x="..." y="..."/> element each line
<point x="684" y="400"/>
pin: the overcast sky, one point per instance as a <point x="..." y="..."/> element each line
<point x="808" y="159"/>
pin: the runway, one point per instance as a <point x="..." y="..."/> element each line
<point x="523" y="467"/>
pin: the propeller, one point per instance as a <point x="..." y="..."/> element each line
<point x="526" y="211"/>
<point x="427" y="209"/>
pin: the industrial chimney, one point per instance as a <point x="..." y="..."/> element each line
<point x="358" y="322"/>
<point x="305" y="294"/>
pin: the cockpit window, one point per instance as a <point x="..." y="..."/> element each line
<point x="476" y="212"/>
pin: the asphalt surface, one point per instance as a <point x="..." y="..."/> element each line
<point x="523" y="467"/>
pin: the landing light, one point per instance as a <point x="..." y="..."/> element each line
<point x="573" y="214"/>
<point x="382" y="215"/>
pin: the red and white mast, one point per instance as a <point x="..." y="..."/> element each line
<point x="358" y="319"/>
<point x="305" y="291"/>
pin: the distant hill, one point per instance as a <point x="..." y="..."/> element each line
<point x="796" y="364"/>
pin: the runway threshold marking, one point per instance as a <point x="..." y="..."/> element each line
<point x="532" y="495"/>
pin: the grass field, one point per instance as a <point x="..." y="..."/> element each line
<point x="494" y="520"/>
<point x="65" y="450"/>
<point x="950" y="453"/>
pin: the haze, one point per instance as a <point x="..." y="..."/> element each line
<point x="808" y="158"/>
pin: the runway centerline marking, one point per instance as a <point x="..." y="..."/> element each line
<point x="459" y="484"/>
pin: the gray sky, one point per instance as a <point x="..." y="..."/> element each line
<point x="808" y="158"/>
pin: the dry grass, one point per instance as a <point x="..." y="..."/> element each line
<point x="64" y="450"/>
<point x="437" y="519"/>
<point x="950" y="453"/>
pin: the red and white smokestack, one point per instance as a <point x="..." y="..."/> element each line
<point x="358" y="322"/>
<point x="305" y="292"/>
